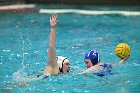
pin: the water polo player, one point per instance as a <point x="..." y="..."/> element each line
<point x="55" y="65"/>
<point x="93" y="64"/>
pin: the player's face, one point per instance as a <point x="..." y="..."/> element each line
<point x="88" y="63"/>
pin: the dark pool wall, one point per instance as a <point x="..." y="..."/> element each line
<point x="74" y="2"/>
<point x="5" y="2"/>
<point x="88" y="2"/>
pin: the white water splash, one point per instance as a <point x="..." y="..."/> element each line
<point x="21" y="76"/>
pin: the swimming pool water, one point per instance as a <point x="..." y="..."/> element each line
<point x="24" y="44"/>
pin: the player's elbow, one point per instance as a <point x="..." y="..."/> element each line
<point x="51" y="46"/>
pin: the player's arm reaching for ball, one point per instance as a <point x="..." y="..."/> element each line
<point x="124" y="59"/>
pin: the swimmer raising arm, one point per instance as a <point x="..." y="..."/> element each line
<point x="56" y="64"/>
<point x="52" y="66"/>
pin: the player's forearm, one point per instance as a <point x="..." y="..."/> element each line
<point x="52" y="39"/>
<point x="121" y="61"/>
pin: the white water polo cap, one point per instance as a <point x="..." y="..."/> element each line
<point x="60" y="61"/>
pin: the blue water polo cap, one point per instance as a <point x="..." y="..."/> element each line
<point x="93" y="56"/>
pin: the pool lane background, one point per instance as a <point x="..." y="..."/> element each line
<point x="24" y="44"/>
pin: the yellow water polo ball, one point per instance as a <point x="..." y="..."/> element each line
<point x="122" y="50"/>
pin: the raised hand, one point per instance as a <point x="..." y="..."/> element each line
<point x="53" y="20"/>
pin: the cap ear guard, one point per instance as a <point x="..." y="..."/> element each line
<point x="60" y="62"/>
